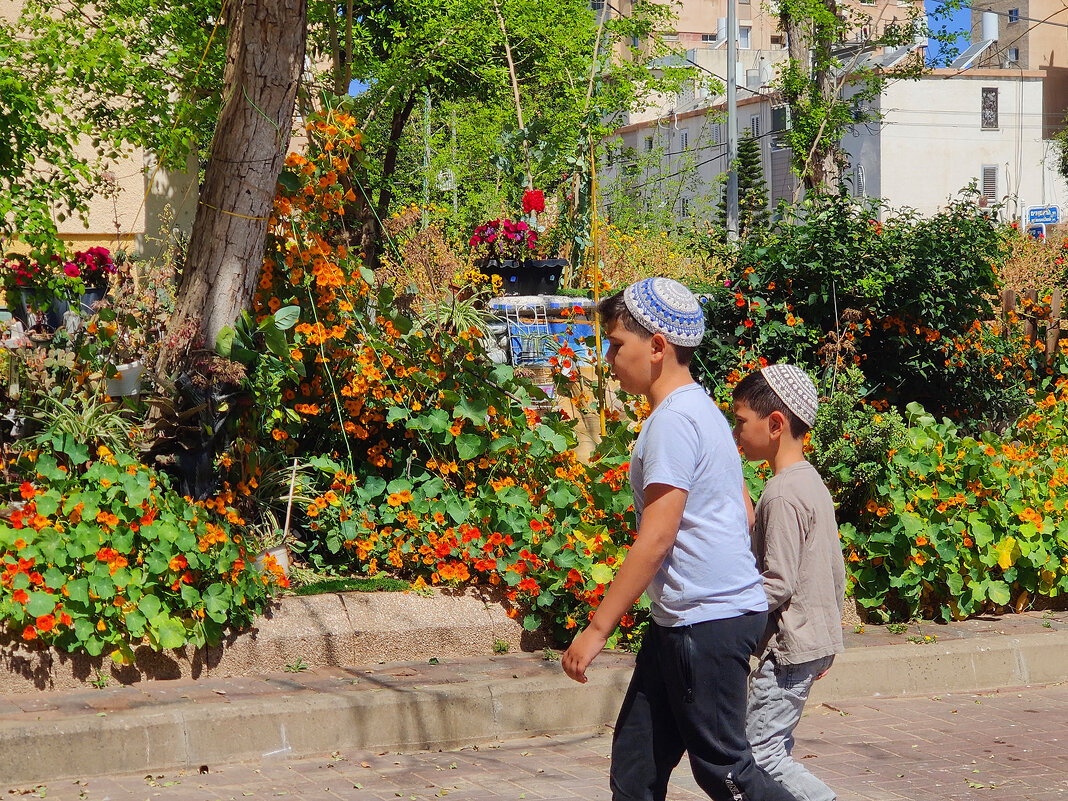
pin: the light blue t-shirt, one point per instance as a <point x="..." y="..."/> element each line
<point x="710" y="572"/>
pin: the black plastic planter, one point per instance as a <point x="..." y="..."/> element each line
<point x="528" y="277"/>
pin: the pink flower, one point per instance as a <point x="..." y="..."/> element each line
<point x="726" y="282"/>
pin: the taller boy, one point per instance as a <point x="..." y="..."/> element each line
<point x="692" y="555"/>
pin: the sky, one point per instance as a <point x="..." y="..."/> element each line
<point x="958" y="20"/>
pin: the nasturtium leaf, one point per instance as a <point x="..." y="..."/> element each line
<point x="601" y="573"/>
<point x="41" y="603"/>
<point x="169" y="631"/>
<point x="468" y="446"/>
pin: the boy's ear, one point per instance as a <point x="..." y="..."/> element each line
<point x="777" y="424"/>
<point x="658" y="346"/>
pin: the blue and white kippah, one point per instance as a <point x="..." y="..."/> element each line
<point x="664" y="306"/>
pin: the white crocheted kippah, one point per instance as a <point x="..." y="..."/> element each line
<point x="795" y="389"/>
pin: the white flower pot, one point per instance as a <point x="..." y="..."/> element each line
<point x="128" y="381"/>
<point x="281" y="556"/>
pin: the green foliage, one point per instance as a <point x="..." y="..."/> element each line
<point x="441" y="98"/>
<point x="144" y="54"/>
<point x="828" y="82"/>
<point x="959" y="525"/>
<point x="102" y="555"/>
<point x="850" y="441"/>
<point x="372" y="584"/>
<point x="832" y="285"/>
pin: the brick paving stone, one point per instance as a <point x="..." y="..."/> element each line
<point x="962" y="747"/>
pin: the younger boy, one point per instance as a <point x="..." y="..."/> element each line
<point x="795" y="539"/>
<point x="692" y="554"/>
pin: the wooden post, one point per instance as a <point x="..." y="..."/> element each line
<point x="1030" y="322"/>
<point x="1053" y="329"/>
<point x="1008" y="303"/>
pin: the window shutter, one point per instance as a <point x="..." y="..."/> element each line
<point x="990" y="183"/>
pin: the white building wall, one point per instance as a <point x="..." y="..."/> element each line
<point x="931" y="142"/>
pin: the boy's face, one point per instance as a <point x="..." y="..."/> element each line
<point x="632" y="358"/>
<point x="753" y="433"/>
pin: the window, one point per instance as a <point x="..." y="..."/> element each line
<point x="709" y="38"/>
<point x="990" y="183"/>
<point x="635" y="41"/>
<point x="858" y="181"/>
<point x="671" y="37"/>
<point x="597" y="5"/>
<point x="648" y="144"/>
<point x="1014" y="55"/>
<point x="684" y="204"/>
<point x="714" y="134"/>
<point x="684" y="140"/>
<point x="778" y="40"/>
<point x="754" y="126"/>
<point x="1014" y="15"/>
<point x="989" y="109"/>
<point x="745" y="35"/>
<point x="780" y="118"/>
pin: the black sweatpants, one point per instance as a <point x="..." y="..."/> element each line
<point x="688" y="693"/>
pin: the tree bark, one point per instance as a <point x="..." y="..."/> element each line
<point x="389" y="164"/>
<point x="264" y="62"/>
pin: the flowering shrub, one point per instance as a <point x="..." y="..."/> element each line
<point x="39" y="280"/>
<point x="833" y="285"/>
<point x="504" y="239"/>
<point x="101" y="554"/>
<point x="92" y="266"/>
<point x="959" y="525"/>
<point x="449" y="469"/>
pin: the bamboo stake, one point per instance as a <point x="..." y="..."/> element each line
<point x="1030" y="323"/>
<point x="1053" y="329"/>
<point x="596" y="273"/>
<point x="289" y="501"/>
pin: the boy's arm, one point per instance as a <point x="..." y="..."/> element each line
<point x="750" y="512"/>
<point x="659" y="527"/>
<point x="783" y="537"/>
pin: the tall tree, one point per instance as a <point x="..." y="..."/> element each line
<point x="752" y="189"/>
<point x="264" y="61"/>
<point x="830" y="78"/>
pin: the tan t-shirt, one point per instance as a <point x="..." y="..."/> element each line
<point x="795" y="541"/>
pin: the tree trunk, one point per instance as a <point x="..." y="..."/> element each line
<point x="385" y="190"/>
<point x="264" y="62"/>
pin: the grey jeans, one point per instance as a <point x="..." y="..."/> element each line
<point x="777" y="695"/>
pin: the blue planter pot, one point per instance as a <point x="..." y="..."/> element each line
<point x="55" y="312"/>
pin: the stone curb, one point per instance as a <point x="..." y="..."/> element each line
<point x="469" y="705"/>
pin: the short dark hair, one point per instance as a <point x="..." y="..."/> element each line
<point x="613" y="310"/>
<point x="756" y="393"/>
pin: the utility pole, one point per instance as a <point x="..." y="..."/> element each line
<point x="732" y="121"/>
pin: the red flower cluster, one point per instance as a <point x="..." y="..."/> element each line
<point x="20" y="272"/>
<point x="92" y="266"/>
<point x="504" y="238"/>
<point x="533" y="201"/>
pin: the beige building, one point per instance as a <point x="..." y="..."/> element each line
<point x="135" y="197"/>
<point x="1022" y="35"/>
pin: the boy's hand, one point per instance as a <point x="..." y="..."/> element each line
<point x="582" y="651"/>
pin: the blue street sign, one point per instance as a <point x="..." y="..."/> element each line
<point x="1047" y="215"/>
<point x="1037" y="231"/>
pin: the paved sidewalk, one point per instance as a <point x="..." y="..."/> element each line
<point x="988" y="747"/>
<point x="161" y="726"/>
